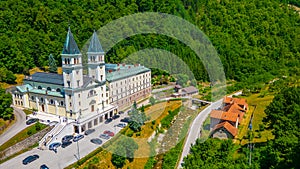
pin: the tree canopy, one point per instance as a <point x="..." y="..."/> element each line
<point x="6" y="112"/>
<point x="245" y="33"/>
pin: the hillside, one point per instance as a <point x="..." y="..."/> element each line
<point x="256" y="40"/>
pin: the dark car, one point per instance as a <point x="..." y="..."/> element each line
<point x="54" y="146"/>
<point x="115" y="116"/>
<point x="111" y="134"/>
<point x="104" y="136"/>
<point x="89" y="131"/>
<point x="29" y="159"/>
<point x="122" y="125"/>
<point x="78" y="137"/>
<point x="67" y="138"/>
<point x="96" y="141"/>
<point x="66" y="144"/>
<point x="30" y="121"/>
<point x="44" y="166"/>
<point x="125" y="120"/>
<point x="108" y="121"/>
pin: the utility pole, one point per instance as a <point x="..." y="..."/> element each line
<point x="78" y="150"/>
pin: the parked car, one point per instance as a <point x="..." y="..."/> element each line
<point x="89" y="131"/>
<point x="111" y="134"/>
<point x="125" y="120"/>
<point x="30" y="121"/>
<point x="78" y="137"/>
<point x="29" y="159"/>
<point x="54" y="146"/>
<point x="115" y="116"/>
<point x="96" y="141"/>
<point x="122" y="125"/>
<point x="67" y="138"/>
<point x="44" y="166"/>
<point x="108" y="121"/>
<point x="66" y="144"/>
<point x="104" y="136"/>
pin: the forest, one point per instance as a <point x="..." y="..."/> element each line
<point x="253" y="38"/>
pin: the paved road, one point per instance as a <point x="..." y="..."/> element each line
<point x="194" y="131"/>
<point x="162" y="89"/>
<point x="64" y="156"/>
<point x="18" y="126"/>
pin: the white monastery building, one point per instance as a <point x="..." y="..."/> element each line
<point x="84" y="100"/>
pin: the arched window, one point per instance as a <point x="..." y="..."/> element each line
<point x="92" y="102"/>
<point x="66" y="61"/>
<point x="62" y="103"/>
<point x="42" y="100"/>
<point x="21" y="103"/>
<point x="92" y="93"/>
<point x="58" y="90"/>
<point x="39" y="87"/>
<point x="48" y="88"/>
<point x="51" y="101"/>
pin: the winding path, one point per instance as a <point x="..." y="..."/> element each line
<point x="18" y="126"/>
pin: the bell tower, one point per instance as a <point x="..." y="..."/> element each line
<point x="96" y="63"/>
<point x="72" y="72"/>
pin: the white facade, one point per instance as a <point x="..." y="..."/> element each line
<point x="86" y="100"/>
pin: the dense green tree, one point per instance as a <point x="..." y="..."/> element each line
<point x="52" y="64"/>
<point x="7" y="76"/>
<point x="6" y="112"/>
<point x="182" y="79"/>
<point x="283" y="117"/>
<point x="125" y="148"/>
<point x="152" y="100"/>
<point x="137" y="118"/>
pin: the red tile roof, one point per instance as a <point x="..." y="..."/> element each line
<point x="231" y="129"/>
<point x="222" y="115"/>
<point x="239" y="101"/>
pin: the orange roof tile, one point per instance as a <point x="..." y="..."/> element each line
<point x="231" y="129"/>
<point x="222" y="115"/>
<point x="239" y="101"/>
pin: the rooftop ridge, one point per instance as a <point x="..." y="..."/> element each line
<point x="95" y="45"/>
<point x="70" y="46"/>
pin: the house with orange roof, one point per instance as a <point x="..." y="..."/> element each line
<point x="225" y="121"/>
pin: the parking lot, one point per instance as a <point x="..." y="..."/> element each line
<point x="65" y="156"/>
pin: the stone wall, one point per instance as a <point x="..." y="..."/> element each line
<point x="30" y="141"/>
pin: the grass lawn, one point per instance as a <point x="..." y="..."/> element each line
<point x="103" y="158"/>
<point x="29" y="131"/>
<point x="258" y="114"/>
<point x="28" y="111"/>
<point x="205" y="129"/>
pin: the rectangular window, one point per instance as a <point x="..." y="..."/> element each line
<point x="78" y="83"/>
<point x="69" y="84"/>
<point x="79" y="103"/>
<point x="69" y="97"/>
<point x="78" y="95"/>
